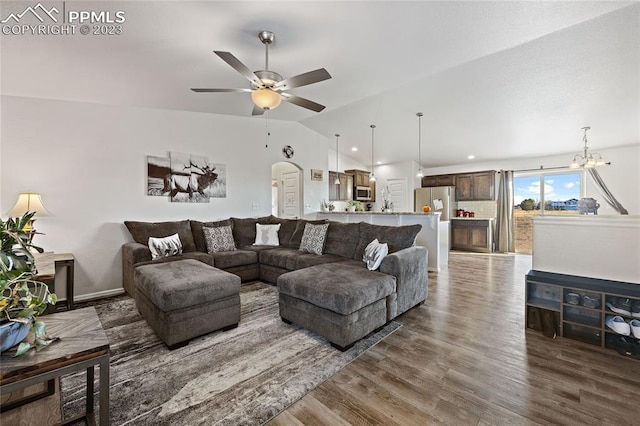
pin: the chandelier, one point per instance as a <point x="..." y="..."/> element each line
<point x="587" y="159"/>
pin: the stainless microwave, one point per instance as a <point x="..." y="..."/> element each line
<point x="362" y="193"/>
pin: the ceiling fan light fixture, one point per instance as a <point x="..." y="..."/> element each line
<point x="266" y="98"/>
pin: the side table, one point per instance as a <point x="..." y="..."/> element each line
<point x="82" y="345"/>
<point x="47" y="263"/>
<point x="67" y="260"/>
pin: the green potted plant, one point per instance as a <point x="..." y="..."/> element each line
<point x="355" y="206"/>
<point x="22" y="298"/>
<point x="326" y="206"/>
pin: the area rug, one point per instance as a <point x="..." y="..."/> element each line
<point x="244" y="376"/>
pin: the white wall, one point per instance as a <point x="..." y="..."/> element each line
<point x="89" y="163"/>
<point x="402" y="169"/>
<point x="344" y="161"/>
<point x="606" y="247"/>
<point x="622" y="177"/>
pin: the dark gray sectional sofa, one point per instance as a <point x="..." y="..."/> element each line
<point x="333" y="294"/>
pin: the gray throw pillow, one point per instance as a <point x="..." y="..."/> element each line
<point x="219" y="238"/>
<point x="198" y="234"/>
<point x="165" y="247"/>
<point x="313" y="238"/>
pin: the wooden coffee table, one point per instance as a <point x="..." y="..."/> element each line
<point x="82" y="345"/>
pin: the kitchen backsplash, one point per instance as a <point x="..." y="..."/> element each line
<point x="482" y="209"/>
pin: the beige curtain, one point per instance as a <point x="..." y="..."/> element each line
<point x="503" y="234"/>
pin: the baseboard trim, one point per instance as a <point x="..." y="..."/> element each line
<point x="98" y="295"/>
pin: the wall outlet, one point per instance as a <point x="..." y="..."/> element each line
<point x="254" y="206"/>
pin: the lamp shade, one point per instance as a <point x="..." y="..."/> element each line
<point x="28" y="202"/>
<point x="266" y="98"/>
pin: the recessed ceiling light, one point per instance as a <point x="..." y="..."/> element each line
<point x="354" y="149"/>
<point x="470" y="157"/>
<point x="379" y="162"/>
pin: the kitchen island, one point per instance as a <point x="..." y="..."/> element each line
<point x="434" y="234"/>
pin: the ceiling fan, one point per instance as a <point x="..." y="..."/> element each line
<point x="267" y="87"/>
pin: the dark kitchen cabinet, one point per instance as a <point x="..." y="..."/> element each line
<point x="478" y="186"/>
<point x="471" y="235"/>
<point x="438" y="180"/>
<point x="361" y="178"/>
<point x="342" y="192"/>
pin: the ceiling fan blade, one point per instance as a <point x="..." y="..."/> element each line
<point x="240" y="67"/>
<point x="221" y="90"/>
<point x="257" y="110"/>
<point x="303" y="79"/>
<point x="304" y="103"/>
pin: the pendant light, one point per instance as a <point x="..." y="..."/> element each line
<point x="372" y="177"/>
<point x="337" y="181"/>
<point x="420" y="174"/>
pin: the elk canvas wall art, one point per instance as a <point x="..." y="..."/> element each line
<point x="218" y="189"/>
<point x="157" y="169"/>
<point x="186" y="178"/>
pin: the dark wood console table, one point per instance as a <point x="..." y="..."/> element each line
<point x="82" y="345"/>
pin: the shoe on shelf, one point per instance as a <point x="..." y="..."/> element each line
<point x="618" y="324"/>
<point x="635" y="308"/>
<point x="590" y="301"/>
<point x="624" y="345"/>
<point x="572" y="298"/>
<point x="619" y="305"/>
<point x="634" y="325"/>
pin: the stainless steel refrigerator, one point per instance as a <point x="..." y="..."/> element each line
<point x="439" y="198"/>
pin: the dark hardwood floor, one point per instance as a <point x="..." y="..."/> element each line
<point x="464" y="358"/>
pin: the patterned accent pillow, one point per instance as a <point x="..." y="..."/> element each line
<point x="267" y="235"/>
<point x="219" y="238"/>
<point x="165" y="247"/>
<point x="374" y="253"/>
<point x="313" y="238"/>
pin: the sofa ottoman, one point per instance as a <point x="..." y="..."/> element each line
<point x="184" y="299"/>
<point x="342" y="302"/>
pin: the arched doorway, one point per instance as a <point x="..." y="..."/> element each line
<point x="286" y="190"/>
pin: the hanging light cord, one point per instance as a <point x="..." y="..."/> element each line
<point x="372" y="178"/>
<point x="337" y="181"/>
<point x="419" y="114"/>
<point x="372" y="127"/>
<point x="419" y="138"/>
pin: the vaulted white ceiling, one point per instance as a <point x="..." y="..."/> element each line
<point x="493" y="79"/>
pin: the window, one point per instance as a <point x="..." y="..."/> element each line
<point x="542" y="193"/>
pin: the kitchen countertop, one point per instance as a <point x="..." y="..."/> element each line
<point x="473" y="218"/>
<point x="387" y="213"/>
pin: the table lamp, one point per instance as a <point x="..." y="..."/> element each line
<point x="29" y="202"/>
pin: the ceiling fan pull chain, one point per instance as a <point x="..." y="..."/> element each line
<point x="268" y="132"/>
